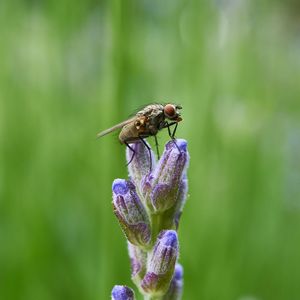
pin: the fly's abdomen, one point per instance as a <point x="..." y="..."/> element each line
<point x="134" y="131"/>
<point x="129" y="134"/>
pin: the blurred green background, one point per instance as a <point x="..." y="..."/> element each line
<point x="69" y="69"/>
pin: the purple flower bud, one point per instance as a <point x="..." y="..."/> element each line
<point x="122" y="292"/>
<point x="141" y="164"/>
<point x="167" y="177"/>
<point x="138" y="260"/>
<point x="161" y="263"/>
<point x="175" y="289"/>
<point x="181" y="199"/>
<point x="131" y="213"/>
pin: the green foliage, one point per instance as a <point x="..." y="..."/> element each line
<point x="69" y="69"/>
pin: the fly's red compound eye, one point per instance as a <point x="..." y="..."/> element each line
<point x="170" y="111"/>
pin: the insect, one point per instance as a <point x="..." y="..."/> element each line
<point x="147" y="122"/>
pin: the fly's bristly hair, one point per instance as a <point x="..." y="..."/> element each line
<point x="141" y="107"/>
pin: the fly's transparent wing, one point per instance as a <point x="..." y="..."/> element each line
<point x="118" y="126"/>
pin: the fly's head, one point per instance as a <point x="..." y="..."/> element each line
<point x="172" y="112"/>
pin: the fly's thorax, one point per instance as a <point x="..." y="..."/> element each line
<point x="156" y="123"/>
<point x="151" y="110"/>
<point x="154" y="118"/>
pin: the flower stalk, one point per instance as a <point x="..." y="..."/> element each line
<point x="148" y="207"/>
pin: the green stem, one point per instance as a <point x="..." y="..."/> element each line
<point x="150" y="297"/>
<point x="156" y="226"/>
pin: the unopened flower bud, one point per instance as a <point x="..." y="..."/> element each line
<point x="122" y="292"/>
<point x="181" y="199"/>
<point x="138" y="261"/>
<point x="167" y="175"/>
<point x="141" y="163"/>
<point x="175" y="289"/>
<point x="161" y="264"/>
<point x="131" y="213"/>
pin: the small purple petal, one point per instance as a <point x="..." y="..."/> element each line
<point x="120" y="186"/>
<point x="122" y="292"/>
<point x="168" y="238"/>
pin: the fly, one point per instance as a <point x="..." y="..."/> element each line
<point x="147" y="122"/>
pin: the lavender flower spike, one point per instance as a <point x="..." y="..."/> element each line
<point x="148" y="208"/>
<point x="175" y="289"/>
<point x="161" y="264"/>
<point x="131" y="213"/>
<point x="122" y="292"/>
<point x="167" y="176"/>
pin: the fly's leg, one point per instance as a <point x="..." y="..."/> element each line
<point x="169" y="130"/>
<point x="172" y="135"/>
<point x="168" y="125"/>
<point x="174" y="131"/>
<point x="133" y="153"/>
<point x="156" y="145"/>
<point x="149" y="150"/>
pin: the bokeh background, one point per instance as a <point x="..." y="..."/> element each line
<point x="69" y="69"/>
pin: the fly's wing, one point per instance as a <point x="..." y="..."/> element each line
<point x="118" y="126"/>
